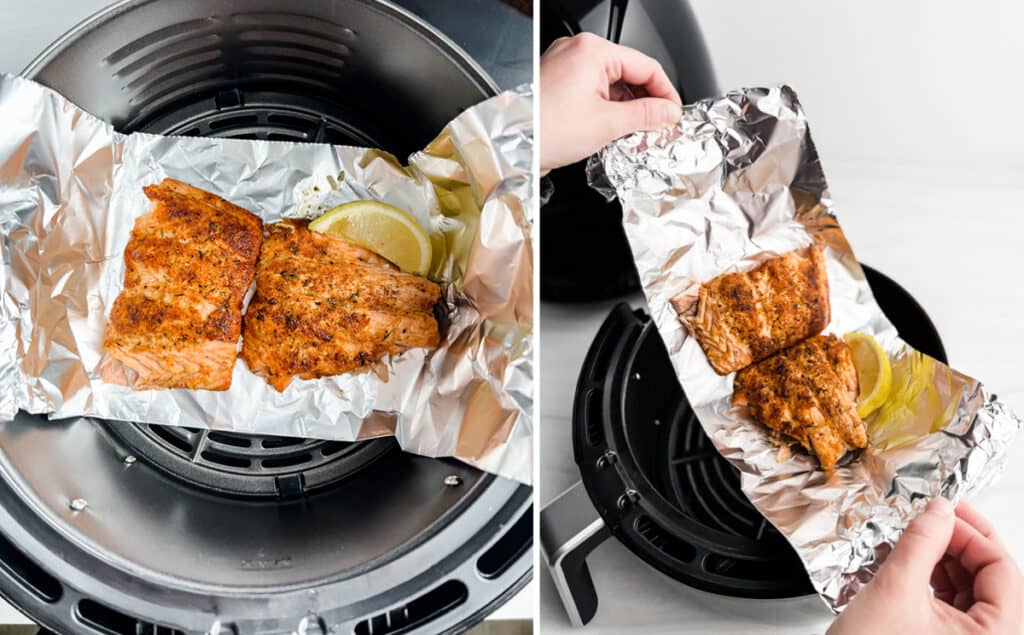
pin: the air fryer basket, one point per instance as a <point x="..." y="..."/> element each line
<point x="122" y="528"/>
<point x="651" y="477"/>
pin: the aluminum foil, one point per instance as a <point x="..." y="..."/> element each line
<point x="738" y="181"/>
<point x="71" y="187"/>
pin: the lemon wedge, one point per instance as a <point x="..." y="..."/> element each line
<point x="383" y="229"/>
<point x="915" y="405"/>
<point x="874" y="372"/>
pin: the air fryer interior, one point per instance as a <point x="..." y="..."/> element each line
<point x="174" y="525"/>
<point x="338" y="72"/>
<point x="657" y="481"/>
<point x="145" y="518"/>
<point x="259" y="70"/>
<point x="700" y="488"/>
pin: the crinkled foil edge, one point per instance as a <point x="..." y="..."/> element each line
<point x="70" y="188"/>
<point x="736" y="181"/>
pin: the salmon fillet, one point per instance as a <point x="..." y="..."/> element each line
<point x="325" y="307"/>
<point x="743" y="318"/>
<point x="807" y="392"/>
<point x="188" y="265"/>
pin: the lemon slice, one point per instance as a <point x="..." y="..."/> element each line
<point x="914" y="406"/>
<point x="381" y="228"/>
<point x="874" y="372"/>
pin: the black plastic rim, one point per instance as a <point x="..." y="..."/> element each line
<point x="449" y="544"/>
<point x="656" y="479"/>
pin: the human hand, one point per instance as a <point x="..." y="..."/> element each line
<point x="583" y="105"/>
<point x="977" y="586"/>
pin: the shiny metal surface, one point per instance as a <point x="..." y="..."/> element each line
<point x="74" y="189"/>
<point x="570" y="528"/>
<point x="739" y="181"/>
<point x="58" y="541"/>
<point x="132" y="508"/>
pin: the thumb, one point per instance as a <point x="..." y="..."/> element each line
<point x="921" y="547"/>
<point x="645" y="113"/>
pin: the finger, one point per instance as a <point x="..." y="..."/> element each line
<point x="559" y="43"/>
<point x="633" y="67"/>
<point x="941" y="584"/>
<point x="621" y="91"/>
<point x="949" y="577"/>
<point x="972" y="517"/>
<point x="972" y="549"/>
<point x="964" y="600"/>
<point x="958" y="576"/>
<point x="996" y="578"/>
<point x="625" y="117"/>
<point x="921" y="547"/>
<point x="959" y="592"/>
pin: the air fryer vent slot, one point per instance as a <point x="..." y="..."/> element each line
<point x="664" y="542"/>
<point x="106" y="620"/>
<point x="595" y="435"/>
<point x="288" y="461"/>
<point x="736" y="568"/>
<point x="27" y="573"/>
<point x="509" y="547"/>
<point x="167" y="434"/>
<point x="230" y="439"/>
<point x="235" y="121"/>
<point x="225" y="459"/>
<point x="280" y="442"/>
<point x="425" y="608"/>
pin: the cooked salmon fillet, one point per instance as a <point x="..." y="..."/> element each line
<point x="807" y="392"/>
<point x="743" y="318"/>
<point x="188" y="265"/>
<point x="325" y="307"/>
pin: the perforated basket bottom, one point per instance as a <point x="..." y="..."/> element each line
<point x="248" y="465"/>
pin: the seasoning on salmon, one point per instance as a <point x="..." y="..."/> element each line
<point x="742" y="318"/>
<point x="807" y="392"/>
<point x="188" y="265"/>
<point x="324" y="307"/>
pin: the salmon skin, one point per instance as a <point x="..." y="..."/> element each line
<point x="807" y="392"/>
<point x="743" y="318"/>
<point x="324" y="307"/>
<point x="188" y="266"/>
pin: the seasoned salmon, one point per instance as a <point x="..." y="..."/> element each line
<point x="324" y="307"/>
<point x="188" y="265"/>
<point x="742" y="318"/>
<point x="807" y="392"/>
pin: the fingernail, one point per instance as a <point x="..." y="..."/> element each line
<point x="672" y="113"/>
<point x="940" y="507"/>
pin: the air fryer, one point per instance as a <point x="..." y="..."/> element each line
<point x="651" y="478"/>
<point x="583" y="247"/>
<point x="127" y="528"/>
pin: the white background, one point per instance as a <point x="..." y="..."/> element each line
<point x="914" y="108"/>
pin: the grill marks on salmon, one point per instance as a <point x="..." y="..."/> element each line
<point x="188" y="265"/>
<point x="807" y="392"/>
<point x="743" y="318"/>
<point x="324" y="307"/>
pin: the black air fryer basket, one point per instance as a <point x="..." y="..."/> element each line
<point x="122" y="528"/>
<point x="652" y="478"/>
